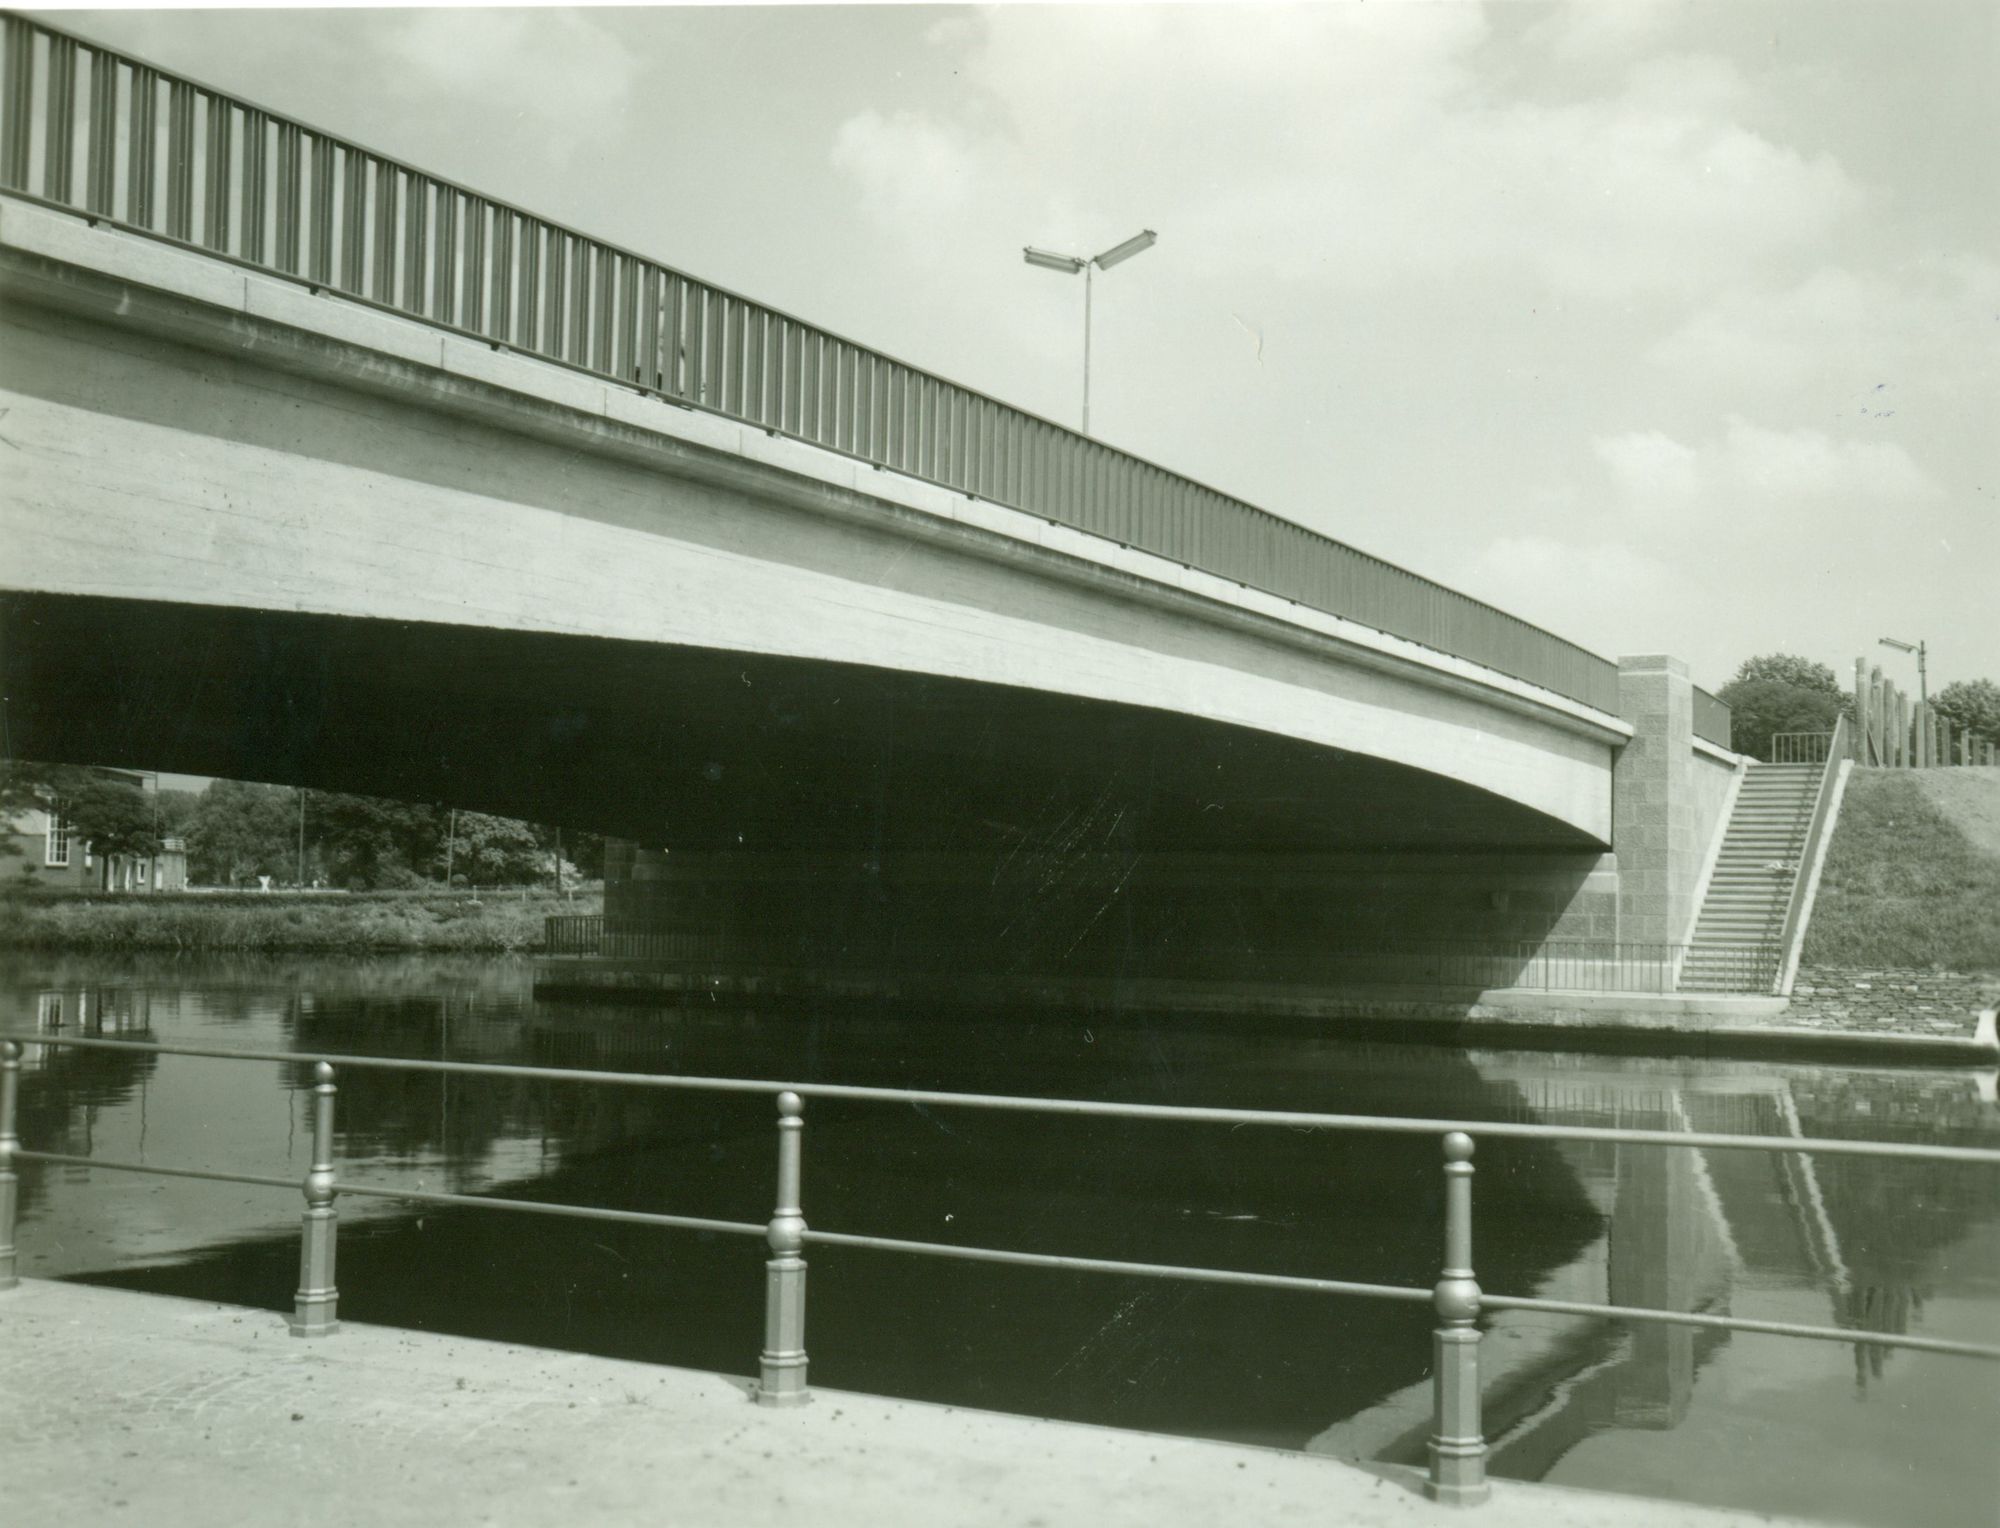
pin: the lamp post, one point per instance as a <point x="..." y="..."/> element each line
<point x="1923" y="691"/>
<point x="1069" y="265"/>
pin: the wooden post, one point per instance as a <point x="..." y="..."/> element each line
<point x="1861" y="711"/>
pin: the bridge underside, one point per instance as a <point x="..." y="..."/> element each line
<point x="813" y="811"/>
<point x="691" y="748"/>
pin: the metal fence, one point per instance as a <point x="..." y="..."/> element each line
<point x="97" y="132"/>
<point x="1711" y="719"/>
<point x="1801" y="747"/>
<point x="1457" y="1442"/>
<point x="1456" y="965"/>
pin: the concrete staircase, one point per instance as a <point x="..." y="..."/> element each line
<point x="1734" y="948"/>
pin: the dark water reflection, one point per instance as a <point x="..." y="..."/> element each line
<point x="1809" y="1428"/>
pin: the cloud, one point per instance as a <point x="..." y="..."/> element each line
<point x="1809" y="464"/>
<point x="912" y="170"/>
<point x="1350" y="146"/>
<point x="1751" y="468"/>
<point x="1646" y="464"/>
<point x="1918" y="327"/>
<point x="1603" y="31"/>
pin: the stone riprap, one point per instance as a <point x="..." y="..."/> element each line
<point x="1890" y="1001"/>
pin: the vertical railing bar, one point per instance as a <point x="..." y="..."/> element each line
<point x="141" y="146"/>
<point x="625" y="363"/>
<point x="527" y="315"/>
<point x="353" y="221"/>
<point x="17" y="124"/>
<point x="473" y="284"/>
<point x="217" y="162"/>
<point x="416" y="242"/>
<point x="316" y="1306"/>
<point x="180" y="160"/>
<point x="444" y="265"/>
<point x="388" y="189"/>
<point x="323" y="238"/>
<point x="556" y="264"/>
<point x="1457" y="1443"/>
<point x="286" y="216"/>
<point x="782" y="1365"/>
<point x="10" y="1142"/>
<point x="650" y="323"/>
<point x="101" y="152"/>
<point x="255" y="195"/>
<point x="59" y="128"/>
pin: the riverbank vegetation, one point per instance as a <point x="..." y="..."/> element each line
<point x="1912" y="876"/>
<point x="496" y="921"/>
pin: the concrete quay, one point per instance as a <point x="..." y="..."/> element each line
<point x="120" y="1408"/>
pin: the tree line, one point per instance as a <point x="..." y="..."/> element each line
<point x="237" y="833"/>
<point x="1780" y="692"/>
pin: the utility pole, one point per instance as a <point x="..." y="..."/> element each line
<point x="450" y="846"/>
<point x="302" y="837"/>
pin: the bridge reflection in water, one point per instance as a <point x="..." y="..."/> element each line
<point x="1825" y="1240"/>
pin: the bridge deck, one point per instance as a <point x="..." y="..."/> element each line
<point x="183" y="1412"/>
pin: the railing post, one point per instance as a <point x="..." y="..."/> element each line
<point x="315" y="1308"/>
<point x="783" y="1364"/>
<point x="1457" y="1448"/>
<point x="10" y="1142"/>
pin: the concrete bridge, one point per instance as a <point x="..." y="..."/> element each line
<point x="320" y="470"/>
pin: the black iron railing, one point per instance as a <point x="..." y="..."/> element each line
<point x="97" y="132"/>
<point x="1458" y="1448"/>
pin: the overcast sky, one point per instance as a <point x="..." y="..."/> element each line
<point x="1667" y="324"/>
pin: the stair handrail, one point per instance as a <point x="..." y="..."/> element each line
<point x="1793" y="937"/>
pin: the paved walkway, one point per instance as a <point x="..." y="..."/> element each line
<point x="126" y="1408"/>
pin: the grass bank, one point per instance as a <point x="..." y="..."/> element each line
<point x="1910" y="879"/>
<point x="497" y="922"/>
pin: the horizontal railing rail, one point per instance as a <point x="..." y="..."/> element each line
<point x="95" y="131"/>
<point x="1553" y="965"/>
<point x="1712" y="719"/>
<point x="1457" y="1444"/>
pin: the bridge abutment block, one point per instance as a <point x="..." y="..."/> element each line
<point x="1656" y="818"/>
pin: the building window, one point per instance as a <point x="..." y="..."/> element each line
<point x="55" y="847"/>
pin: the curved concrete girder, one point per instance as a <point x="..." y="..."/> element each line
<point x="148" y="468"/>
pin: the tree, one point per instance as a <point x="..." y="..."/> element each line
<point x="1789" y="669"/>
<point x="1971" y="705"/>
<point x="239" y="831"/>
<point x="496" y="851"/>
<point x="1780" y="692"/>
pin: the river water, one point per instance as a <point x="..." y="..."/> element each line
<point x="1837" y="1432"/>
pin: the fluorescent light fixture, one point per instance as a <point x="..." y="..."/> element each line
<point x="1069" y="265"/>
<point x="1125" y="251"/>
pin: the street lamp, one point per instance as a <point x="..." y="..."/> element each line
<point x="1923" y="692"/>
<point x="1069" y="265"/>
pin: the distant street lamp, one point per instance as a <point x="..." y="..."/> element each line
<point x="1069" y="265"/>
<point x="1923" y="691"/>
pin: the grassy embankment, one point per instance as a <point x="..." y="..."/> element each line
<point x="1912" y="876"/>
<point x="499" y="921"/>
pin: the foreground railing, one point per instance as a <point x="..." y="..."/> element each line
<point x="1457" y="1442"/>
<point x="1454" y="965"/>
<point x="136" y="147"/>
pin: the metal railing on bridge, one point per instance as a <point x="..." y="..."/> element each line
<point x="94" y="131"/>
<point x="1457" y="1444"/>
<point x="1712" y="718"/>
<point x="1445" y="965"/>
